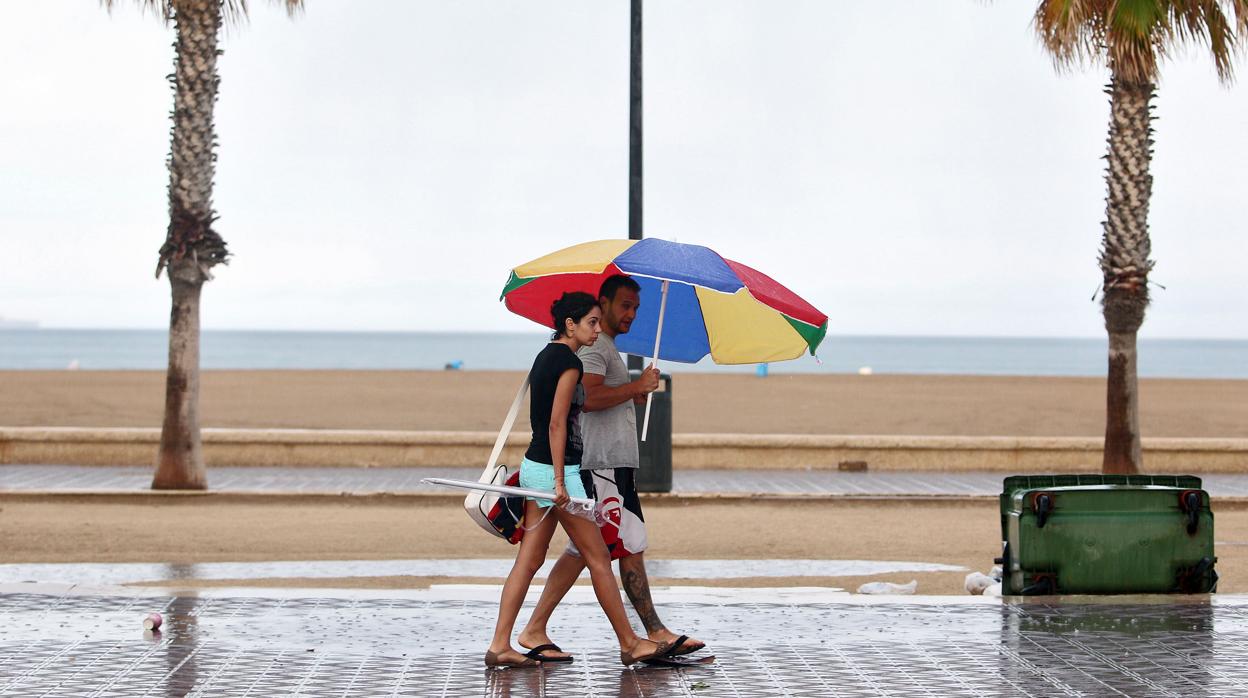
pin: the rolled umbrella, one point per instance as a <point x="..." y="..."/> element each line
<point x="588" y="507"/>
<point x="586" y="504"/>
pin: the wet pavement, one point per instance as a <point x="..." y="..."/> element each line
<point x="71" y="642"/>
<point x="63" y="478"/>
<point x="121" y="573"/>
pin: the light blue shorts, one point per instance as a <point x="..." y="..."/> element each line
<point x="541" y="476"/>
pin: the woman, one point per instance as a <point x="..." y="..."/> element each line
<point x="552" y="463"/>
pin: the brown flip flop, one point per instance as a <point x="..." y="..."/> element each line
<point x="492" y="660"/>
<point x="628" y="659"/>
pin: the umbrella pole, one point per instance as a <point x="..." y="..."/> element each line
<point x="658" y="335"/>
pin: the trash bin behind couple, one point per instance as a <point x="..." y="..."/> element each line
<point x="654" y="473"/>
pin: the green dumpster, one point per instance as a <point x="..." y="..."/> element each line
<point x="1106" y="534"/>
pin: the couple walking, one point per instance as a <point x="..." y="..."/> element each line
<point x="584" y="444"/>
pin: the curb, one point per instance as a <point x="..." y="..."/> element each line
<point x="356" y="448"/>
<point x="430" y="497"/>
<point x="1235" y="503"/>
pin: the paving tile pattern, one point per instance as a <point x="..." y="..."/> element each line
<point x="95" y="574"/>
<point x="403" y="480"/>
<point x="94" y="646"/>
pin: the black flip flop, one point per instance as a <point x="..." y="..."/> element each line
<point x="671" y="662"/>
<point x="673" y="658"/>
<point x="679" y="647"/>
<point x="536" y="653"/>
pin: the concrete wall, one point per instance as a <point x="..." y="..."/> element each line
<point x="297" y="447"/>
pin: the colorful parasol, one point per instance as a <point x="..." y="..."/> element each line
<point x="693" y="301"/>
<point x="714" y="305"/>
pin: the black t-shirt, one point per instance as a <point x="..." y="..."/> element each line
<point x="551" y="363"/>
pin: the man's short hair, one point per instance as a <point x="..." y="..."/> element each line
<point x="615" y="283"/>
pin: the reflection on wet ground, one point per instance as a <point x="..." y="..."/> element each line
<point x="96" y="574"/>
<point x="430" y="644"/>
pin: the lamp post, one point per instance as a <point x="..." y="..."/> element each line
<point x="634" y="138"/>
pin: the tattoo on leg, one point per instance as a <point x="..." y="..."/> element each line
<point x="638" y="589"/>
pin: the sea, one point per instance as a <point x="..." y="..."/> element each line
<point x="104" y="349"/>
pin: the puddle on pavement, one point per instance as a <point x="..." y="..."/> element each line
<point x="97" y="574"/>
<point x="416" y="624"/>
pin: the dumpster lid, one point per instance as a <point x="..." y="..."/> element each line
<point x="1014" y="483"/>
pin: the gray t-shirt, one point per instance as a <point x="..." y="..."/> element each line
<point x="609" y="436"/>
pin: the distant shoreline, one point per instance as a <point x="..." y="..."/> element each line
<point x="36" y="325"/>
<point x="54" y="349"/>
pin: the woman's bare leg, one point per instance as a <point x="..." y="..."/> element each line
<point x="588" y="540"/>
<point x="529" y="560"/>
<point x="560" y="580"/>
<point x="562" y="577"/>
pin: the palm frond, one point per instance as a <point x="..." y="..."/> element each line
<point x="1210" y="24"/>
<point x="232" y="11"/>
<point x="1134" y="36"/>
<point x="1073" y="31"/>
<point x="293" y="7"/>
<point x="238" y="8"/>
<point x="1140" y="32"/>
<point x="160" y="8"/>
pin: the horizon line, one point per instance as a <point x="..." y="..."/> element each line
<point x="848" y="335"/>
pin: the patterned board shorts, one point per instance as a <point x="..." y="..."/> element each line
<point x="616" y="492"/>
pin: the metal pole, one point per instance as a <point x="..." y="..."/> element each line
<point x="634" y="139"/>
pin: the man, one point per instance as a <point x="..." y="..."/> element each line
<point x="609" y="462"/>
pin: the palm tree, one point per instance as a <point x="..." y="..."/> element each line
<point x="192" y="247"/>
<point x="1132" y="36"/>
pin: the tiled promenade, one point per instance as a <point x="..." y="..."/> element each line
<point x="408" y="480"/>
<point x="63" y="639"/>
<point x="430" y="644"/>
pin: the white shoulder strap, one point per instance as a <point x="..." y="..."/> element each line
<point x="511" y="419"/>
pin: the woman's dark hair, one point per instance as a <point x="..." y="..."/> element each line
<point x="571" y="306"/>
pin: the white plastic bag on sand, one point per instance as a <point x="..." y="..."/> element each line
<point x="888" y="588"/>
<point x="976" y="582"/>
<point x="996" y="573"/>
<point x="994" y="590"/>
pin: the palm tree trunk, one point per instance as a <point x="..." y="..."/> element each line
<point x="1123" y="454"/>
<point x="191" y="246"/>
<point x="1125" y="263"/>
<point x="180" y="464"/>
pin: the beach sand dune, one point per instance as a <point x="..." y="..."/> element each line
<point x="702" y="403"/>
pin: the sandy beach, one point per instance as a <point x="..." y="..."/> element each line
<point x="198" y="530"/>
<point x="702" y="403"/>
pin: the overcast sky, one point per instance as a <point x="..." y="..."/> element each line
<point x="909" y="167"/>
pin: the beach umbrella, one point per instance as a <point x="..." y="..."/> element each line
<point x="694" y="302"/>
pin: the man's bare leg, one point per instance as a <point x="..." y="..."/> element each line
<point x="637" y="585"/>
<point x="562" y="576"/>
